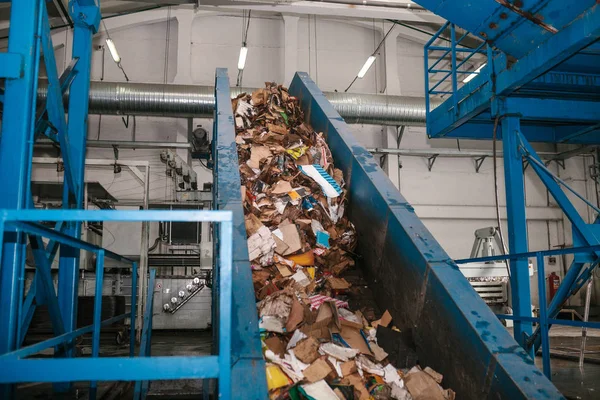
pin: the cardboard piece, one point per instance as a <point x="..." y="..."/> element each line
<point x="257" y="154"/>
<point x="280" y="246"/>
<point x="291" y="238"/>
<point x="359" y="386"/>
<point x="253" y="224"/>
<point x="281" y="130"/>
<point x="307" y="350"/>
<point x="348" y="318"/>
<point x="385" y="320"/>
<point x="318" y="370"/>
<point x="281" y="187"/>
<point x="276" y="344"/>
<point x="422" y="386"/>
<point x="378" y="352"/>
<point x="295" y="317"/>
<point x="338" y="283"/>
<point x="354" y="338"/>
<point x="284" y="270"/>
<point x="434" y="374"/>
<point x="349" y="368"/>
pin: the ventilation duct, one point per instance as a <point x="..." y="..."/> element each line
<point x="186" y="101"/>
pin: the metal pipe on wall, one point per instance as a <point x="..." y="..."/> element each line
<point x="192" y="101"/>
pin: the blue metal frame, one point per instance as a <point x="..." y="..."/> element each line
<point x="17" y="368"/>
<point x="248" y="369"/>
<point x="547" y="316"/>
<point x="29" y="36"/>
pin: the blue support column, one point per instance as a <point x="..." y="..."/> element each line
<point x="15" y="162"/>
<point x="517" y="226"/>
<point x="86" y="17"/>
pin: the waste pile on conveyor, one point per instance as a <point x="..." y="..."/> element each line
<point x="301" y="247"/>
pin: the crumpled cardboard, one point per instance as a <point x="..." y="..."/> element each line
<point x="301" y="246"/>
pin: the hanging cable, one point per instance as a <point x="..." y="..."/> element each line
<point x="496" y="199"/>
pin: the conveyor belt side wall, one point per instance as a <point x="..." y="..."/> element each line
<point x="415" y="279"/>
<point x="248" y="373"/>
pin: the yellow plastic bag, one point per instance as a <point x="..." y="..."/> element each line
<point x="276" y="378"/>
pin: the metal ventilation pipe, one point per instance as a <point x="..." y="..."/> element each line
<point x="186" y="101"/>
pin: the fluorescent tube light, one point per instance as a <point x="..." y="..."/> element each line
<point x="366" y="67"/>
<point x="242" y="59"/>
<point x="113" y="50"/>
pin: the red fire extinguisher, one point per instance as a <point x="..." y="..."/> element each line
<point x="553" y="284"/>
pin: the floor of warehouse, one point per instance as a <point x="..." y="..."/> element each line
<point x="566" y="375"/>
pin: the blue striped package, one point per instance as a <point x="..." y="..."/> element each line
<point x="327" y="183"/>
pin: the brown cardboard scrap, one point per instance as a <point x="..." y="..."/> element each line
<point x="295" y="317"/>
<point x="318" y="370"/>
<point x="281" y="187"/>
<point x="423" y="387"/>
<point x="282" y="130"/>
<point x="434" y="374"/>
<point x="385" y="320"/>
<point x="338" y="283"/>
<point x="349" y="368"/>
<point x="378" y="352"/>
<point x="253" y="224"/>
<point x="291" y="238"/>
<point x="267" y="290"/>
<point x="307" y="350"/>
<point x="276" y="344"/>
<point x="281" y="247"/>
<point x="359" y="386"/>
<point x="350" y="319"/>
<point x="353" y="337"/>
<point x="257" y="154"/>
<point x="284" y="270"/>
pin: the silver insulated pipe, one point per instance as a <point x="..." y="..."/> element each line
<point x="186" y="101"/>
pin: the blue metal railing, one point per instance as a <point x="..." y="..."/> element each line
<point x="544" y="321"/>
<point x="451" y="75"/>
<point x="16" y="368"/>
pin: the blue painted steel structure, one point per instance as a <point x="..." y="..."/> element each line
<point x="248" y="366"/>
<point x="15" y="365"/>
<point x="539" y="80"/>
<point x="23" y="122"/>
<point x="455" y="331"/>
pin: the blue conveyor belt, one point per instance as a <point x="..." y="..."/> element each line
<point x="455" y="331"/>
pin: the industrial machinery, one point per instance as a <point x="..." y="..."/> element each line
<point x="489" y="279"/>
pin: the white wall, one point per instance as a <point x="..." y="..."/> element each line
<point x="452" y="199"/>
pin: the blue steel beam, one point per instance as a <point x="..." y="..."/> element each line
<point x="517" y="225"/>
<point x="54" y="103"/>
<point x="109" y="369"/>
<point x="417" y="281"/>
<point x="248" y="371"/>
<point x="86" y="18"/>
<point x="113" y="216"/>
<point x="580" y="229"/>
<point x="16" y="143"/>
